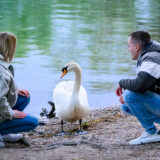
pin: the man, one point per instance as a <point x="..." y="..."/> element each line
<point x="141" y="96"/>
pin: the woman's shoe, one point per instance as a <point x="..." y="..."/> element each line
<point x="2" y="145"/>
<point x="12" y="137"/>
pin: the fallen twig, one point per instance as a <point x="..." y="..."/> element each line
<point x="70" y="143"/>
<point x="93" y="144"/>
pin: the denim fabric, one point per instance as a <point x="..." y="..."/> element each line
<point x="19" y="125"/>
<point x="144" y="106"/>
<point x="125" y="109"/>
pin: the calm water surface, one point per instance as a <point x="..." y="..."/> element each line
<point x="91" y="32"/>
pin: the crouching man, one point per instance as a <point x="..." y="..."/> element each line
<point x="140" y="97"/>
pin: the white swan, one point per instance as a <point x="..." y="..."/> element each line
<point x="70" y="98"/>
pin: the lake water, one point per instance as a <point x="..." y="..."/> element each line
<point x="91" y="32"/>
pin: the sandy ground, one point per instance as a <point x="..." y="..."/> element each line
<point x="109" y="132"/>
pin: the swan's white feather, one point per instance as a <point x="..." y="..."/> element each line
<point x="70" y="109"/>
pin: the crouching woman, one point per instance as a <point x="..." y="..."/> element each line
<point x="12" y="101"/>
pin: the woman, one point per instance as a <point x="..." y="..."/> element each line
<point x="12" y="101"/>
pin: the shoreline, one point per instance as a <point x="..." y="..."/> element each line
<point x="109" y="132"/>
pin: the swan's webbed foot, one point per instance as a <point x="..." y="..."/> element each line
<point x="62" y="133"/>
<point x="80" y="131"/>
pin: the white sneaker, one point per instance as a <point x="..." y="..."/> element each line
<point x="145" y="138"/>
<point x="12" y="137"/>
<point x="2" y="145"/>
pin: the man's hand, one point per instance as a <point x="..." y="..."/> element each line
<point x="121" y="99"/>
<point x="119" y="91"/>
<point x="19" y="114"/>
<point x="23" y="92"/>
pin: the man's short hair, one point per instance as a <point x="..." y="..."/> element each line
<point x="140" y="37"/>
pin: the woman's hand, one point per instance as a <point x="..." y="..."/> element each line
<point x="23" y="92"/>
<point x="19" y="114"/>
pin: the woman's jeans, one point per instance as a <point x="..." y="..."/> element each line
<point x="144" y="106"/>
<point x="19" y="125"/>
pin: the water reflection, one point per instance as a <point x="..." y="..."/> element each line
<point x="92" y="33"/>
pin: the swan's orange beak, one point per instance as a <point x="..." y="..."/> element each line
<point x="64" y="72"/>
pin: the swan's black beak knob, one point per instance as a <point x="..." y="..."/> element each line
<point x="64" y="70"/>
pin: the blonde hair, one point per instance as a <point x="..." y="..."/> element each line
<point x="7" y="45"/>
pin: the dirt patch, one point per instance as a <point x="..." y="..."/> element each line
<point x="108" y="134"/>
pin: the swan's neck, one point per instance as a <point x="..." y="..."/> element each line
<point x="77" y="82"/>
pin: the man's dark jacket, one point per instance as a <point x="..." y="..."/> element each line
<point x="148" y="71"/>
